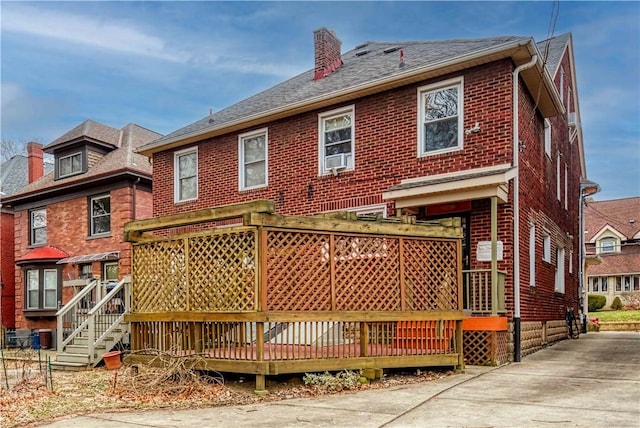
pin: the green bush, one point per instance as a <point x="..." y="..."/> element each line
<point x="616" y="305"/>
<point x="596" y="302"/>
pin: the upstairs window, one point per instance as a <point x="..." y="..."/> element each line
<point x="440" y="117"/>
<point x="532" y="255"/>
<point x="337" y="140"/>
<point x="547" y="137"/>
<point x="185" y="167"/>
<point x="38" y="226"/>
<point x="100" y="215"/>
<point x="558" y="177"/>
<point x="252" y="150"/>
<point x="69" y="165"/>
<point x="559" y="288"/>
<point x="607" y="245"/>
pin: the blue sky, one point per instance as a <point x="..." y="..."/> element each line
<point x="163" y="65"/>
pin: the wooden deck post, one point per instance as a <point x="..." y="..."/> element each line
<point x="364" y="338"/>
<point x="494" y="256"/>
<point x="459" y="346"/>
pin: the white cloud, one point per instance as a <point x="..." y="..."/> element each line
<point x="84" y="30"/>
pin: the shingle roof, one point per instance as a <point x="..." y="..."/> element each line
<point x="617" y="264"/>
<point x="88" y="129"/>
<point x="621" y="214"/>
<point x="358" y="68"/>
<point x="124" y="157"/>
<point x="553" y="48"/>
<point x="14" y="174"/>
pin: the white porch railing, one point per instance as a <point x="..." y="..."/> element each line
<point x="98" y="322"/>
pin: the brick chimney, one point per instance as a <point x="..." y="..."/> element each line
<point x="35" y="161"/>
<point x="327" y="50"/>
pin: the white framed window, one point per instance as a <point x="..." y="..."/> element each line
<point x="185" y="182"/>
<point x="546" y="247"/>
<point x="440" y="117"/>
<point x="559" y="288"/>
<point x="571" y="262"/>
<point x="569" y="103"/>
<point x="593" y="284"/>
<point x="370" y="210"/>
<point x="69" y="165"/>
<point x="38" y="226"/>
<point x="558" y="177"/>
<point x="566" y="184"/>
<point x="607" y="245"/>
<point x="50" y="289"/>
<point x="253" y="155"/>
<point x="532" y="255"/>
<point x="336" y="140"/>
<point x="562" y="83"/>
<point x="547" y="137"/>
<point x="33" y="289"/>
<point x="100" y="215"/>
<point x="604" y="284"/>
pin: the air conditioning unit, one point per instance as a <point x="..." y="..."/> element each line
<point x="336" y="162"/>
<point x="572" y="119"/>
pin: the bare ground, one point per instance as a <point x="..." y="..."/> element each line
<point x="30" y="400"/>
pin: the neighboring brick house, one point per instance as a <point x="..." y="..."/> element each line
<point x="15" y="174"/>
<point x="612" y="232"/>
<point x="68" y="223"/>
<point x="423" y="128"/>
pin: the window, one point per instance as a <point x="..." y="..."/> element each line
<point x="562" y="83"/>
<point x="570" y="262"/>
<point x="252" y="150"/>
<point x="33" y="287"/>
<point x="608" y="245"/>
<point x="336" y="140"/>
<point x="547" y="137"/>
<point x="372" y="210"/>
<point x="636" y="283"/>
<point x="566" y="199"/>
<point x="185" y="167"/>
<point x="38" y="226"/>
<point x="569" y="109"/>
<point x="85" y="271"/>
<point x="546" y="248"/>
<point x="69" y="165"/>
<point x="110" y="271"/>
<point x="100" y="215"/>
<point x="618" y="284"/>
<point x="532" y="255"/>
<point x="604" y="284"/>
<point x="440" y="117"/>
<point x="593" y="284"/>
<point x="559" y="270"/>
<point x="42" y="288"/>
<point x="627" y="283"/>
<point x="558" y="177"/>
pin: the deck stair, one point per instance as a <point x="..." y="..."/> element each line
<point x="87" y="331"/>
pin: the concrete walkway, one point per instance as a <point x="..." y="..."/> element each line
<point x="590" y="382"/>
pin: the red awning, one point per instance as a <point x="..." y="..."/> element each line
<point x="42" y="254"/>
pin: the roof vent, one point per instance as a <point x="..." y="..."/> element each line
<point x="362" y="45"/>
<point x="391" y="49"/>
<point x="362" y="52"/>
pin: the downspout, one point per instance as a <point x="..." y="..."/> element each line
<point x="133" y="198"/>
<point x="516" y="210"/>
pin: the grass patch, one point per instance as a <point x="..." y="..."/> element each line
<point x="616" y="316"/>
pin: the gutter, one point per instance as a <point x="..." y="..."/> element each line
<point x="516" y="210"/>
<point x="501" y="51"/>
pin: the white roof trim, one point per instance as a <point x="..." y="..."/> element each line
<point x="603" y="230"/>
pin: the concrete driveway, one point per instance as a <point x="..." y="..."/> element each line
<point x="590" y="382"/>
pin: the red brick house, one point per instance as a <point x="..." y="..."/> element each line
<point x="612" y="232"/>
<point x="68" y="223"/>
<point x="487" y="130"/>
<point x="15" y="174"/>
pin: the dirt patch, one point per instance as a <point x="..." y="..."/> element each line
<point x="30" y="400"/>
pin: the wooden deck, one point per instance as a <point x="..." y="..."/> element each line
<point x="283" y="294"/>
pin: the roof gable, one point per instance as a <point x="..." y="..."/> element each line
<point x="621" y="215"/>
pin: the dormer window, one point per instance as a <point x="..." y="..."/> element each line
<point x="608" y="245"/>
<point x="70" y="165"/>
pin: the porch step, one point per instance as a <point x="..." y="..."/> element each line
<point x="68" y="366"/>
<point x="65" y="357"/>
